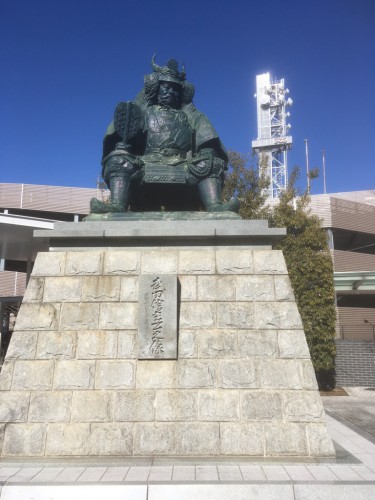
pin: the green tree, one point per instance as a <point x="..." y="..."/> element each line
<point x="310" y="269"/>
<point x="244" y="182"/>
<point x="306" y="254"/>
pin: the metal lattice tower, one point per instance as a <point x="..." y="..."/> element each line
<point x="273" y="142"/>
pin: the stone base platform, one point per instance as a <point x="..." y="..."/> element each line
<point x="242" y="383"/>
<point x="162" y="216"/>
<point x="350" y="475"/>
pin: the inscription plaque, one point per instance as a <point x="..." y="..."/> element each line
<point x="157" y="321"/>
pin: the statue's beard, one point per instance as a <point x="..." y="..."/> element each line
<point x="171" y="101"/>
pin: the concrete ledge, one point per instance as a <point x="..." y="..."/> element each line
<point x="232" y="490"/>
<point x="205" y="231"/>
<point x="74" y="492"/>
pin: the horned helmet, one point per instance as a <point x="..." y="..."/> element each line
<point x="168" y="73"/>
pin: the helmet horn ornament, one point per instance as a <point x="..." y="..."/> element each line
<point x="155" y="67"/>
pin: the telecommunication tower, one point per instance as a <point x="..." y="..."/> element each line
<point x="273" y="140"/>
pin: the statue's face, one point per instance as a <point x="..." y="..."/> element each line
<point x="169" y="94"/>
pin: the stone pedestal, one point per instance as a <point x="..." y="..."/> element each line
<point x="242" y="382"/>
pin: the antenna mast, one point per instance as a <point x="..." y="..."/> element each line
<point x="273" y="142"/>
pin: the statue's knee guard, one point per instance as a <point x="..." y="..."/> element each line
<point x="208" y="168"/>
<point x="118" y="164"/>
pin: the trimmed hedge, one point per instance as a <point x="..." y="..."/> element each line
<point x="307" y="257"/>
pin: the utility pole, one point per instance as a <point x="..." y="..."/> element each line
<point x="324" y="170"/>
<point x="307" y="165"/>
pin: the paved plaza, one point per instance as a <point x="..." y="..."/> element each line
<point x="351" y="476"/>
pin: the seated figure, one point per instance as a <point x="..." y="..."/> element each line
<point x="161" y="152"/>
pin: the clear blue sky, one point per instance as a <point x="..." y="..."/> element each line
<point x="66" y="64"/>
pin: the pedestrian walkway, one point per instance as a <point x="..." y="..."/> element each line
<point x="350" y="476"/>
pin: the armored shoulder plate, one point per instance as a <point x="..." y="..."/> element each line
<point x="127" y="120"/>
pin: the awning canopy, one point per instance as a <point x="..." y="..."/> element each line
<point x="360" y="282"/>
<point x="16" y="237"/>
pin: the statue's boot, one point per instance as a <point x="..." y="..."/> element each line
<point x="210" y="194"/>
<point x="119" y="187"/>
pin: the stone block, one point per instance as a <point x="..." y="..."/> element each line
<point x="2" y="432"/>
<point x="135" y="406"/>
<point x="236" y="373"/>
<point x="324" y="491"/>
<point x="96" y="344"/>
<point x="302" y="406"/>
<point x="235" y="315"/>
<point x="277" y="315"/>
<point x="219" y="405"/>
<point x="188" y="286"/>
<point x="128" y="289"/>
<point x="79" y="316"/>
<point x="84" y="263"/>
<point x="14" y="406"/>
<point x="118" y="316"/>
<point x="269" y="262"/>
<point x="68" y="439"/>
<point x="159" y="261"/>
<point x="283" y="289"/>
<point x="152" y="439"/>
<point x="292" y="344"/>
<point x="100" y="288"/>
<point x="241" y="438"/>
<point x="280" y="374"/>
<point x="283" y="439"/>
<point x="308" y="375"/>
<point x="51" y="406"/>
<point x="234" y="261"/>
<point x="197" y="315"/>
<point x="56" y="345"/>
<point x="74" y="374"/>
<point x="122" y="262"/>
<point x="200" y="439"/>
<point x="24" y="440"/>
<point x="158" y="374"/>
<point x="261" y="405"/>
<point x="22" y="345"/>
<point x="126" y="344"/>
<point x="62" y="289"/>
<point x="216" y="288"/>
<point x="319" y="441"/>
<point x="92" y="406"/>
<point x="220" y="491"/>
<point x="6" y="375"/>
<point x="196" y="261"/>
<point x="33" y="375"/>
<point x="38" y="317"/>
<point x="49" y="264"/>
<point x="187" y="344"/>
<point x="114" y="375"/>
<point x="176" y="405"/>
<point x="258" y="343"/>
<point x="111" y="439"/>
<point x="217" y="344"/>
<point x="34" y="290"/>
<point x="196" y="374"/>
<point x="257" y="288"/>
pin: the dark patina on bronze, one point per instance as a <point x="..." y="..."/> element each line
<point x="161" y="152"/>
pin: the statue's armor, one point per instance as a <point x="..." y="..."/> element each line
<point x="168" y="133"/>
